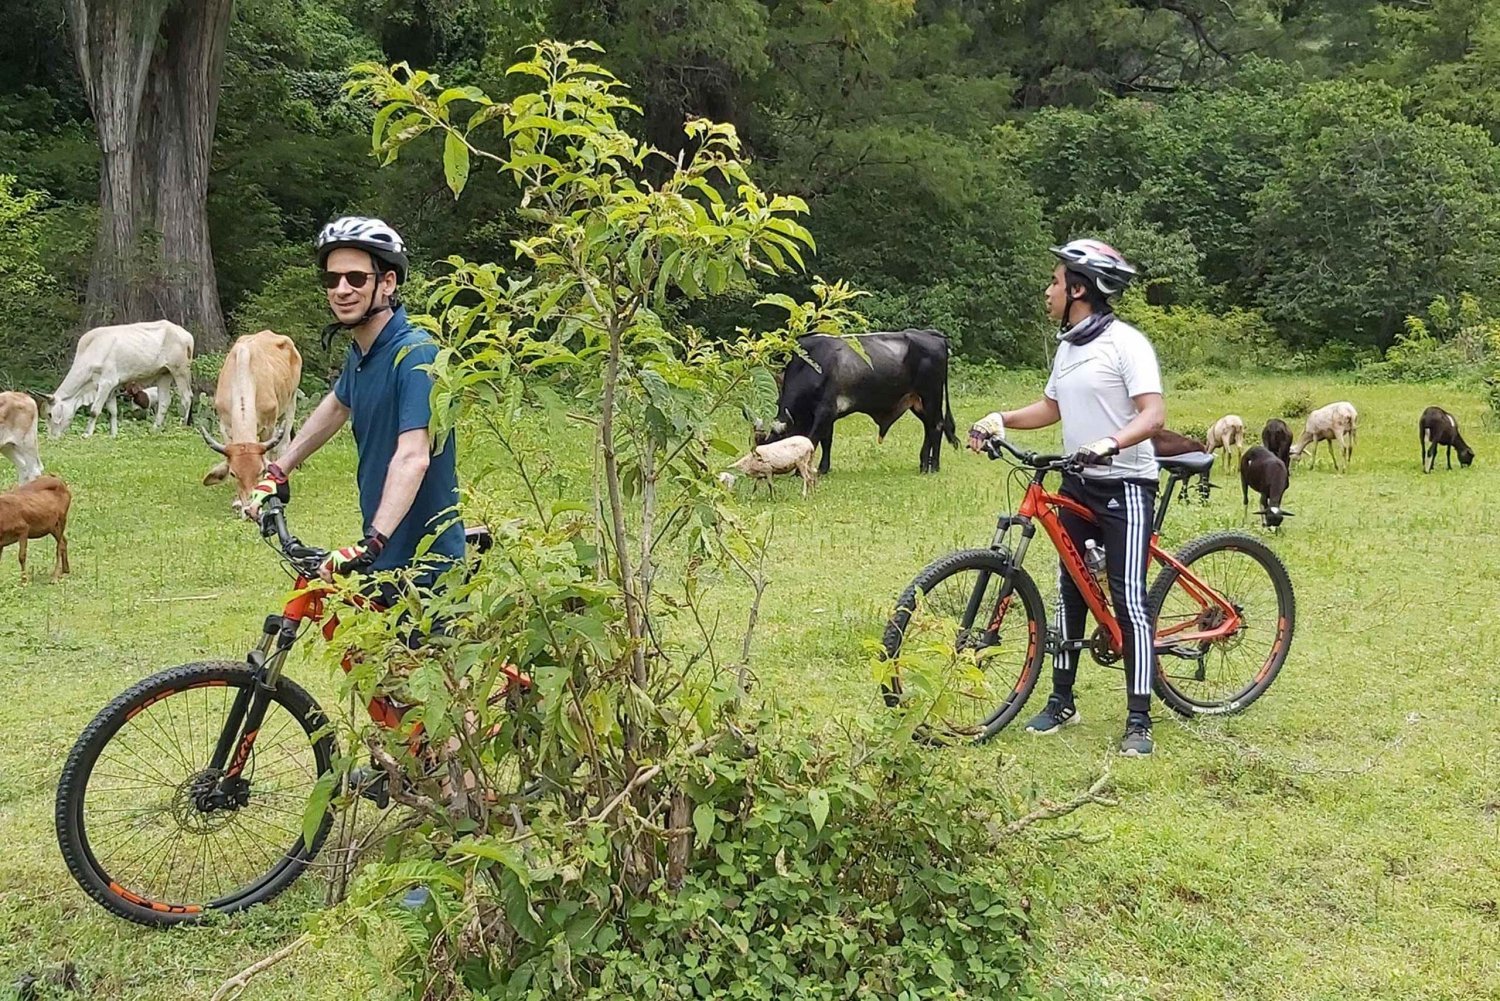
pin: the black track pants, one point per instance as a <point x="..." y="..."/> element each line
<point x="1124" y="510"/>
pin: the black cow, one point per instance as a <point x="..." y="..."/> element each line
<point x="1438" y="427"/>
<point x="905" y="370"/>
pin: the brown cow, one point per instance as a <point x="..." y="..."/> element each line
<point x="31" y="511"/>
<point x="257" y="393"/>
<point x="1166" y="443"/>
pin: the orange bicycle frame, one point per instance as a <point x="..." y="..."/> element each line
<point x="1044" y="507"/>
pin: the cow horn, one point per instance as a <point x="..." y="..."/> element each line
<point x="211" y="443"/>
<point x="278" y="433"/>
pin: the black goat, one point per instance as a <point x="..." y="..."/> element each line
<point x="1266" y="474"/>
<point x="1277" y="437"/>
<point x="1438" y="427"/>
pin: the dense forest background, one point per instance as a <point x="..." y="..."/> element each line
<point x="1304" y="182"/>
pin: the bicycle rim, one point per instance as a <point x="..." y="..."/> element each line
<point x="1222" y="675"/>
<point x="967" y="656"/>
<point x="140" y="830"/>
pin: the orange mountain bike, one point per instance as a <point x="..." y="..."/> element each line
<point x="1223" y="609"/>
<point x="187" y="794"/>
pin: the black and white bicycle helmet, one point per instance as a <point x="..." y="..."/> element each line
<point x="361" y="233"/>
<point x="1098" y="261"/>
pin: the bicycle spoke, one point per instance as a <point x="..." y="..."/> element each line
<point x="143" y="822"/>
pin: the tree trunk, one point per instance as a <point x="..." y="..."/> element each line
<point x="151" y="70"/>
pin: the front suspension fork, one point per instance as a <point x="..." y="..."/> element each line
<point x="248" y="711"/>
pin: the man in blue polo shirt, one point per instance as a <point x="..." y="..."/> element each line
<point x="406" y="492"/>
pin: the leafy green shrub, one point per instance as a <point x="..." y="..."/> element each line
<point x="1189" y="380"/>
<point x="1450" y="345"/>
<point x="1299" y="404"/>
<point x="37" y="347"/>
<point x="849" y="867"/>
<point x="966" y="377"/>
<point x="1191" y="337"/>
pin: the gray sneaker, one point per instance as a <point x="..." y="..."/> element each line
<point x="1137" y="740"/>
<point x="1060" y="712"/>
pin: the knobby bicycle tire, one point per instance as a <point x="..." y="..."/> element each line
<point x="71" y="816"/>
<point x="1035" y="628"/>
<point x="1265" y="671"/>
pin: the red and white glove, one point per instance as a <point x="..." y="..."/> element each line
<point x="987" y="427"/>
<point x="273" y="484"/>
<point x="357" y="558"/>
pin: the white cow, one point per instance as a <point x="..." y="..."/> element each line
<point x="159" y="352"/>
<point x="18" y="434"/>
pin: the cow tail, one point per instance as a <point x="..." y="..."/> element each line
<point x="948" y="427"/>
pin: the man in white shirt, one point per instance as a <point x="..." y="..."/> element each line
<point x="1105" y="387"/>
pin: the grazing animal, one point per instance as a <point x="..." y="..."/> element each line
<point x="1228" y="433"/>
<point x="789" y="455"/>
<point x="1168" y="443"/>
<point x="1337" y="422"/>
<point x="33" y="510"/>
<point x="898" y="371"/>
<point x="257" y="393"/>
<point x="1438" y="427"/>
<point x="18" y="415"/>
<point x="1263" y="471"/>
<point x="159" y="352"/>
<point x="1277" y="437"/>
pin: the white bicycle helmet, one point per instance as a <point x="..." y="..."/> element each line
<point x="370" y="235"/>
<point x="1097" y="260"/>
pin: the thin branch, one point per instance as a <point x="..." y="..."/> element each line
<point x="232" y="987"/>
<point x="1051" y="811"/>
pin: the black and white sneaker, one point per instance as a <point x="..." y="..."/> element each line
<point x="1137" y="740"/>
<point x="1060" y="712"/>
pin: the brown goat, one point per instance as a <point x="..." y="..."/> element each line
<point x="31" y="511"/>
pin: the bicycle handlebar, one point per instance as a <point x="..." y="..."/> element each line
<point x="273" y="522"/>
<point x="1037" y="460"/>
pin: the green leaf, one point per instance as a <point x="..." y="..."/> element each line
<point x="495" y="851"/>
<point x="703" y="822"/>
<point x="456" y="163"/>
<point x="317" y="808"/>
<point x="817" y="806"/>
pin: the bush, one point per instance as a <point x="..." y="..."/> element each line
<point x="819" y="870"/>
<point x="1191" y="337"/>
<point x="1449" y="346"/>
<point x="1300" y="404"/>
<point x="1189" y="380"/>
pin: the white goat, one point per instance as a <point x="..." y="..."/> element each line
<point x="1337" y="422"/>
<point x="1228" y="433"/>
<point x="788" y="455"/>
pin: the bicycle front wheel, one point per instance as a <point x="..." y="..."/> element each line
<point x="965" y="646"/>
<point x="1222" y="675"/>
<point x="130" y="816"/>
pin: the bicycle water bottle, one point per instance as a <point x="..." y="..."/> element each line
<point x="1093" y="558"/>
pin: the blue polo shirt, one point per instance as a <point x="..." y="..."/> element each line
<point x="388" y="393"/>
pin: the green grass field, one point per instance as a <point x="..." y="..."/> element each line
<point x="1339" y="840"/>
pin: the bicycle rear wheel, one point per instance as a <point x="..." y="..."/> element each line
<point x="1223" y="675"/>
<point x="987" y="646"/>
<point x="127" y="815"/>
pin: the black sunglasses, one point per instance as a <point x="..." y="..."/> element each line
<point x="356" y="279"/>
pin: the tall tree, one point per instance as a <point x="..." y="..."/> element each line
<point x="151" y="71"/>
